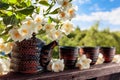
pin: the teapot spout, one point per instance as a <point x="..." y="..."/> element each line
<point x="46" y="54"/>
<point x="52" y="44"/>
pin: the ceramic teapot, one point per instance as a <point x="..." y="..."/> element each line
<point x="31" y="56"/>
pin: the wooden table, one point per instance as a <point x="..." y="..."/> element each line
<point x="106" y="71"/>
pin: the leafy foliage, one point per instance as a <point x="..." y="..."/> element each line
<point x="13" y="12"/>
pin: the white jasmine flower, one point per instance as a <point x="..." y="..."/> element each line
<point x="44" y="0"/>
<point x="2" y="46"/>
<point x="100" y="59"/>
<point x="82" y="57"/>
<point x="15" y="35"/>
<point x="38" y="27"/>
<point x="29" y="23"/>
<point x="8" y="47"/>
<point x="50" y="35"/>
<point x="67" y="27"/>
<point x="61" y="65"/>
<point x="55" y="67"/>
<point x="38" y="19"/>
<point x="58" y="34"/>
<point x="25" y="32"/>
<point x="58" y="65"/>
<point x="4" y="66"/>
<point x="83" y="62"/>
<point x="49" y="67"/>
<point x="116" y="59"/>
<point x="55" y="34"/>
<point x="49" y="27"/>
<point x="64" y="3"/>
<point x="27" y="19"/>
<point x="71" y="13"/>
<point x="1" y="68"/>
<point x="100" y="55"/>
<point x="1" y="40"/>
<point x="7" y="63"/>
<point x="38" y="23"/>
<point x="63" y="15"/>
<point x="60" y="2"/>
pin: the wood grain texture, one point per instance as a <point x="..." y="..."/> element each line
<point x="72" y="74"/>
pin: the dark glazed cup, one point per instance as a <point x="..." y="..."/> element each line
<point x="108" y="53"/>
<point x="70" y="55"/>
<point x="91" y="53"/>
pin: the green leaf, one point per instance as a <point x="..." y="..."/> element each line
<point x="2" y="14"/>
<point x="41" y="32"/>
<point x="6" y="20"/>
<point x="9" y="13"/>
<point x="38" y="10"/>
<point x="4" y="1"/>
<point x="23" y="4"/>
<point x="10" y="20"/>
<point x="20" y="16"/>
<point x="4" y="6"/>
<point x="27" y="11"/>
<point x="55" y="11"/>
<point x="45" y="3"/>
<point x="9" y="39"/>
<point x="12" y="1"/>
<point x="50" y="20"/>
<point x="28" y="3"/>
<point x="54" y="20"/>
<point x="6" y="30"/>
<point x="3" y="57"/>
<point x="70" y="1"/>
<point x="3" y="33"/>
<point x="20" y="1"/>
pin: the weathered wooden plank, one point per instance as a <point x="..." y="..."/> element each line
<point x="72" y="74"/>
<point x="107" y="77"/>
<point x="115" y="76"/>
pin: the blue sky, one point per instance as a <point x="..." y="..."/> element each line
<point x="90" y="11"/>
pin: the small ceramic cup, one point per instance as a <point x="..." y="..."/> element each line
<point x="108" y="53"/>
<point x="69" y="54"/>
<point x="90" y="52"/>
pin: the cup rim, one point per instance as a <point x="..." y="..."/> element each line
<point x="68" y="47"/>
<point x="92" y="47"/>
<point x="107" y="47"/>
